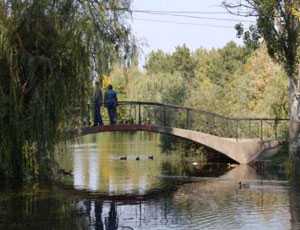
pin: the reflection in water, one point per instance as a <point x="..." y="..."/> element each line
<point x="216" y="203"/>
<point x="98" y="166"/>
<point x="200" y="198"/>
<point x="93" y="211"/>
<point x="190" y="170"/>
<point x="98" y="215"/>
<point x="111" y="223"/>
<point x="295" y="204"/>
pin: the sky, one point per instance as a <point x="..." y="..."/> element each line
<point x="157" y="32"/>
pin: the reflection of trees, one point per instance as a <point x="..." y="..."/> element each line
<point x="35" y="209"/>
<point x="180" y="207"/>
<point x="187" y="148"/>
<point x="220" y="196"/>
<point x="56" y="213"/>
<point x="184" y="207"/>
<point x="185" y="168"/>
<point x="97" y="165"/>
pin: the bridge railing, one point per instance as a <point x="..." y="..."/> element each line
<point x="134" y="112"/>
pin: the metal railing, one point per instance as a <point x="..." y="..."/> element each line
<point x="165" y="115"/>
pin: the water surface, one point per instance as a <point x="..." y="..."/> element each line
<point x="169" y="192"/>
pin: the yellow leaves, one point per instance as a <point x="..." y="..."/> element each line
<point x="247" y="67"/>
<point x="260" y="85"/>
<point x="295" y="12"/>
<point x="106" y="80"/>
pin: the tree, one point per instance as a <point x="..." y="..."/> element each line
<point x="279" y="26"/>
<point x="183" y="62"/>
<point x="48" y="52"/>
<point x="158" y="62"/>
<point x="256" y="88"/>
<point x="219" y="65"/>
<point x="251" y="37"/>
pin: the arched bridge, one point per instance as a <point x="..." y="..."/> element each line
<point x="241" y="139"/>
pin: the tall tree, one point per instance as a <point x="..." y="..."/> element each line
<point x="183" y="62"/>
<point x="219" y="65"/>
<point x="158" y="62"/>
<point x="48" y="52"/>
<point x="278" y="24"/>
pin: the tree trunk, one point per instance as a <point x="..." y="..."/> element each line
<point x="294" y="126"/>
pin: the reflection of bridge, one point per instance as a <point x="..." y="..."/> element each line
<point x="242" y="140"/>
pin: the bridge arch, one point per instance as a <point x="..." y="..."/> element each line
<point x="241" y="139"/>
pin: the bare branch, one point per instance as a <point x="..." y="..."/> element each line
<point x="240" y="9"/>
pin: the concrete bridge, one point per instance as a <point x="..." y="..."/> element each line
<point x="241" y="139"/>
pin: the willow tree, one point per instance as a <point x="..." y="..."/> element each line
<point x="279" y="26"/>
<point x="49" y="49"/>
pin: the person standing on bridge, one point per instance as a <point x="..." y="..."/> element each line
<point x="111" y="102"/>
<point x="98" y="100"/>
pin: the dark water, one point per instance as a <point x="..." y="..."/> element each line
<point x="169" y="192"/>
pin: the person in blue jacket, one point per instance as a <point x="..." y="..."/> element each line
<point x="111" y="103"/>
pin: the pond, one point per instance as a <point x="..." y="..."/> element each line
<point x="126" y="181"/>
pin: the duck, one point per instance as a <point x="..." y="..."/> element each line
<point x="150" y="157"/>
<point x="124" y="158"/>
<point x="66" y="173"/>
<point x="241" y="185"/>
<point x="230" y="166"/>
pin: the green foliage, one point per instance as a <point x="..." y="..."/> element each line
<point x="180" y="61"/>
<point x="229" y="81"/>
<point x="278" y="25"/>
<point x="259" y="89"/>
<point x="183" y="62"/>
<point x="250" y="37"/>
<point x="163" y="87"/>
<point x="159" y="62"/>
<point x="220" y="65"/>
<point x="46" y="66"/>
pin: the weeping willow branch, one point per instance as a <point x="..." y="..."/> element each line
<point x="48" y="52"/>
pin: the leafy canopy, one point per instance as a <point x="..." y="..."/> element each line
<point x="49" y="50"/>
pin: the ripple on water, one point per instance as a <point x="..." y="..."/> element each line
<point x="197" y="203"/>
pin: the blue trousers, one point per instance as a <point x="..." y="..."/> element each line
<point x="97" y="115"/>
<point x="112" y="113"/>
